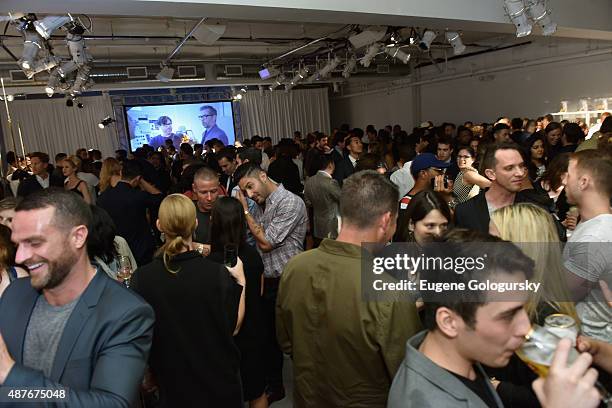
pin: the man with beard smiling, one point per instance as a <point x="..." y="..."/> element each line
<point x="68" y="325"/>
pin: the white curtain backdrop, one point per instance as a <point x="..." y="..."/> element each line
<point x="278" y="114"/>
<point x="49" y="126"/>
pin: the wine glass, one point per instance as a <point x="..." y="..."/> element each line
<point x="124" y="270"/>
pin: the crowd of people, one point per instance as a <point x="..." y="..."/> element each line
<point x="186" y="278"/>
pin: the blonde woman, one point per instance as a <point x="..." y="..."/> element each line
<point x="199" y="307"/>
<point x="72" y="183"/>
<point x="110" y="174"/>
<point x="533" y="230"/>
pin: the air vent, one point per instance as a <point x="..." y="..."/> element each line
<point x="382" y="68"/>
<point x="233" y="70"/>
<point x="188" y="71"/>
<point x="137" y="73"/>
<point x="18" y="75"/>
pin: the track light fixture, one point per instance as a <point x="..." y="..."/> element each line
<point x="326" y="70"/>
<point x="427" y="39"/>
<point x="395" y="52"/>
<point x="49" y="24"/>
<point x="105" y="122"/>
<point x="278" y="82"/>
<point x="541" y="15"/>
<point x="53" y="82"/>
<point x="69" y="102"/>
<point x="517" y="12"/>
<point x="372" y="51"/>
<point x="301" y="74"/>
<point x="454" y="39"/>
<point x="166" y="74"/>
<point x="349" y="67"/>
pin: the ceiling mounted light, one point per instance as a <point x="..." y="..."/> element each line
<point x="166" y="74"/>
<point x="208" y="34"/>
<point x="397" y="53"/>
<point x="244" y="89"/>
<point x="269" y="72"/>
<point x="301" y="74"/>
<point x="454" y="40"/>
<point x="427" y="39"/>
<point x="69" y="102"/>
<point x="66" y="68"/>
<point x="278" y="82"/>
<point x="517" y="12"/>
<point x="261" y="90"/>
<point x="53" y="82"/>
<point x="31" y="47"/>
<point x="105" y="122"/>
<point x="44" y="64"/>
<point x="49" y="24"/>
<point x="81" y="81"/>
<point x="372" y="51"/>
<point x="76" y="46"/>
<point x="367" y="37"/>
<point x="326" y="70"/>
<point x="349" y="67"/>
<point x="336" y="87"/>
<point x="540" y="14"/>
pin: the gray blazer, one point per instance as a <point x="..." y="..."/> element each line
<point x="103" y="350"/>
<point x="419" y="382"/>
<point x="322" y="193"/>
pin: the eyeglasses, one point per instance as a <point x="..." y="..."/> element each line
<point x="205" y="116"/>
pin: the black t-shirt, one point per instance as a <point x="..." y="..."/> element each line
<point x="478" y="387"/>
<point x="202" y="232"/>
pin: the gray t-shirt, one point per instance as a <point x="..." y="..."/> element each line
<point x="588" y="254"/>
<point x="44" y="332"/>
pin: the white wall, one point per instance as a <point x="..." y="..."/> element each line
<point x="528" y="81"/>
<point x="379" y="109"/>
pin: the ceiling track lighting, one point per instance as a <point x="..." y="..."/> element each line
<point x="350" y="66"/>
<point x="427" y="39"/>
<point x="454" y="39"/>
<point x="278" y="82"/>
<point x="326" y="70"/>
<point x="371" y="52"/>
<point x="395" y="52"/>
<point x="537" y="11"/>
<point x="516" y="10"/>
<point x="105" y="122"/>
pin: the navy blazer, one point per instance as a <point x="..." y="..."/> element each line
<point x="103" y="350"/>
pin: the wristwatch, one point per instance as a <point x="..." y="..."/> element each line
<point x="246" y="212"/>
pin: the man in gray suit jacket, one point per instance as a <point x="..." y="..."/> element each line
<point x="322" y="194"/>
<point x="69" y="325"/>
<point x="465" y="328"/>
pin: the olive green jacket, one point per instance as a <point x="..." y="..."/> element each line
<point x="345" y="351"/>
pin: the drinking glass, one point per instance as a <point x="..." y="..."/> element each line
<point x="124" y="271"/>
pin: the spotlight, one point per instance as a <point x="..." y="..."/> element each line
<point x="269" y="72"/>
<point x="455" y="40"/>
<point x="47" y="25"/>
<point x="539" y="14"/>
<point x="336" y="87"/>
<point x="427" y="39"/>
<point x="54" y="80"/>
<point x="326" y="70"/>
<point x="66" y="68"/>
<point x="301" y="74"/>
<point x="279" y="81"/>
<point x="397" y="53"/>
<point x="370" y="54"/>
<point x="367" y="37"/>
<point x="516" y="10"/>
<point x="76" y="46"/>
<point x="69" y="102"/>
<point x="166" y="74"/>
<point x="9" y="98"/>
<point x="82" y="80"/>
<point x="105" y="122"/>
<point x="31" y="47"/>
<point x="243" y="89"/>
<point x="40" y="65"/>
<point x="261" y="89"/>
<point x="349" y="67"/>
<point x="80" y="105"/>
<point x="208" y="34"/>
<point x="395" y="38"/>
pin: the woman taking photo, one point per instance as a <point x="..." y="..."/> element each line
<point x="72" y="182"/>
<point x="468" y="181"/>
<point x="228" y="230"/>
<point x="199" y="307"/>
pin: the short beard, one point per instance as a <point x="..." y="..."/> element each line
<point x="58" y="270"/>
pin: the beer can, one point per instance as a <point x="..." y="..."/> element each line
<point x="563" y="326"/>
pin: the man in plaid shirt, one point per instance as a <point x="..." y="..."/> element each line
<point x="278" y="224"/>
